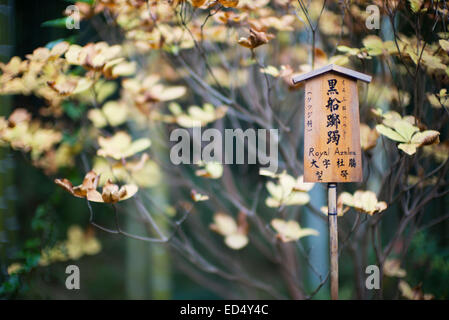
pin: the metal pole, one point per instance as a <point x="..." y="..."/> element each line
<point x="333" y="237"/>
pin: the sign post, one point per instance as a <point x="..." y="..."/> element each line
<point x="332" y="151"/>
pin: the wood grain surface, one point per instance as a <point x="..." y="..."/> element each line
<point x="332" y="150"/>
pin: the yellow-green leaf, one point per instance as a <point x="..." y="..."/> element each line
<point x="390" y="133"/>
<point x="291" y="230"/>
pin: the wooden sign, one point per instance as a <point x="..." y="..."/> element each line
<point x="332" y="151"/>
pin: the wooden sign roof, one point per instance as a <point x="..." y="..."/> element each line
<point x="332" y="67"/>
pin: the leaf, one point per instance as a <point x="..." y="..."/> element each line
<point x="14" y="268"/>
<point x="98" y="118"/>
<point x="58" y="47"/>
<point x="96" y="56"/>
<point x="267" y="173"/>
<point x="88" y="189"/>
<point x="112" y="193"/>
<point x="408" y="148"/>
<point x="436" y="102"/>
<point x="413" y="293"/>
<point x="229" y="3"/>
<point x="236" y="241"/>
<point x="364" y="201"/>
<point x="390" y="118"/>
<point x="224" y="224"/>
<point x="90" y="182"/>
<point x="340" y="60"/>
<point x="416" y="5"/>
<point x="56" y="23"/>
<point x="212" y="170"/>
<point x="433" y="62"/>
<point x="270" y="70"/>
<point x="63" y="87"/>
<point x="392" y="268"/>
<point x="124" y="69"/>
<point x="142" y="172"/>
<point x="291" y="231"/>
<point x="67" y="86"/>
<point x="171" y="93"/>
<point x="116" y="112"/>
<point x="196" y="116"/>
<point x="374" y="45"/>
<point x="237" y="78"/>
<point x="175" y="108"/>
<point x="405" y="129"/>
<point x="406" y="290"/>
<point x="235" y="234"/>
<point x="444" y="44"/>
<point x="73" y="55"/>
<point x="82" y="85"/>
<point x="14" y="66"/>
<point x="104" y="89"/>
<point x="280" y="23"/>
<point x="255" y="39"/>
<point x="368" y="137"/>
<point x="198" y="3"/>
<point x="79" y="243"/>
<point x="120" y="146"/>
<point x="19" y="115"/>
<point x="104" y="169"/>
<point x="136" y="147"/>
<point x="402" y="129"/>
<point x="426" y="137"/>
<point x="390" y="133"/>
<point x="197" y="197"/>
<point x="346" y="49"/>
<point x="300" y="185"/>
<point x="288" y="191"/>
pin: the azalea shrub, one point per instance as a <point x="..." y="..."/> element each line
<point x="107" y="108"/>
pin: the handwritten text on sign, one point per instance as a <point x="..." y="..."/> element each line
<point x="332" y="150"/>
